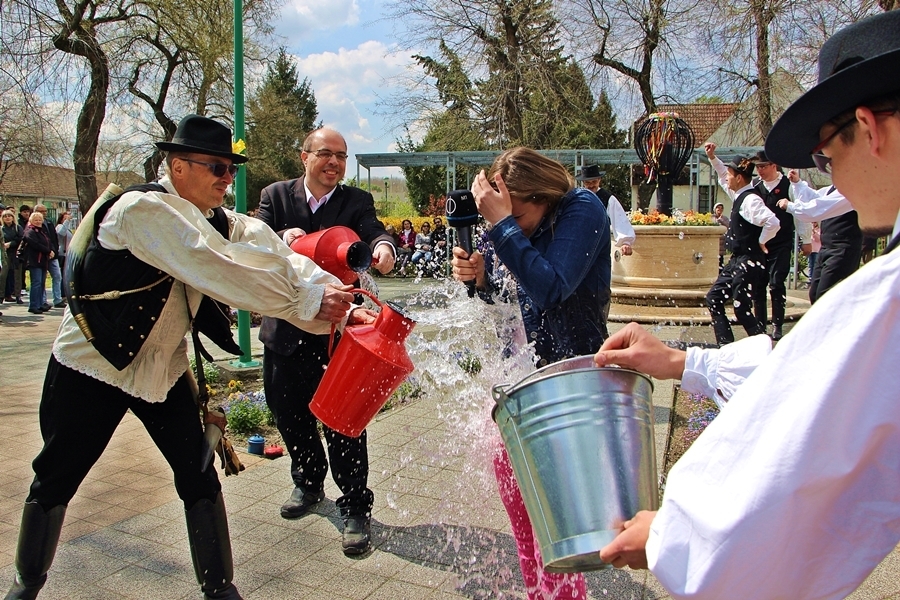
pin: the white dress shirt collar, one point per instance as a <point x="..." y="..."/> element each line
<point x="314" y="203"/>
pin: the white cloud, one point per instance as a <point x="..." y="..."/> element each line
<point x="347" y="84"/>
<point x="301" y="19"/>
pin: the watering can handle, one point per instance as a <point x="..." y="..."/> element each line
<point x="334" y="327"/>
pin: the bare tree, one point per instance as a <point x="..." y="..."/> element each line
<point x="757" y="40"/>
<point x="80" y="30"/>
<point x="26" y="135"/>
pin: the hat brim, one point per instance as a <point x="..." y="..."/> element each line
<point x="796" y="132"/>
<point x="173" y="147"/>
<point x="591" y="178"/>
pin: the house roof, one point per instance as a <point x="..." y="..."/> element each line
<point x="31" y="180"/>
<point x="703" y="118"/>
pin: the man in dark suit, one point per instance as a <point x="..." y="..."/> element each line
<point x="294" y="360"/>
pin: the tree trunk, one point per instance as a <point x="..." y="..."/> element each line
<point x="87" y="132"/>
<point x="762" y="18"/>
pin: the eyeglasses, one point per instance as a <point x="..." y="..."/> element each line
<point x="822" y="162"/>
<point x="218" y="169"/>
<point x="327" y="154"/>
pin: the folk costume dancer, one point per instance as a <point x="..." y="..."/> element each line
<point x="751" y="226"/>
<point x="840" y="234"/>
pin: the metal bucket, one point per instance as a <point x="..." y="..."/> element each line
<point x="580" y="440"/>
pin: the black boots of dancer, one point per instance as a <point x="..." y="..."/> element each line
<point x="207" y="527"/>
<point x="38" y="539"/>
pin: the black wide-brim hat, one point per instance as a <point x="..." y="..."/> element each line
<point x="857" y="64"/>
<point x="589" y="172"/>
<point x="202" y="135"/>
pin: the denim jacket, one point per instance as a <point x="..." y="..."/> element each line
<point x="562" y="275"/>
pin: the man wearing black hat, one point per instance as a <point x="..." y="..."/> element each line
<point x="620" y="225"/>
<point x="793" y="491"/>
<point x="772" y="187"/>
<point x="141" y="264"/>
<point x="841" y="236"/>
<point x="295" y="360"/>
<point x="751" y="225"/>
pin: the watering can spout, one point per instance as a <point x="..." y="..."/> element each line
<point x="337" y="250"/>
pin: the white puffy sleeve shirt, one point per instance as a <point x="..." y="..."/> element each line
<point x="753" y="209"/>
<point x="793" y="491"/>
<point x="254" y="270"/>
<point x="620" y="224"/>
<point x="811" y="205"/>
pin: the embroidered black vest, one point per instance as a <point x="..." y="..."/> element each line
<point x="785" y="235"/>
<point x="742" y="237"/>
<point x="604" y="197"/>
<point x="121" y="325"/>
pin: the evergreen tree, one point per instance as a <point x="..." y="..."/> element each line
<point x="278" y="118"/>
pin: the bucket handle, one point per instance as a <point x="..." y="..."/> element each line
<point x="334" y="326"/>
<point x="499" y="392"/>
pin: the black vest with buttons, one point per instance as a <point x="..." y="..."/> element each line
<point x="785" y="235"/>
<point x="604" y="197"/>
<point x="742" y="237"/>
<point x="122" y="325"/>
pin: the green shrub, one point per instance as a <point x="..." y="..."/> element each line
<point x="468" y="362"/>
<point x="247" y="413"/>
<point x="210" y="371"/>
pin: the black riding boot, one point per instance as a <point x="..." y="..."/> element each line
<point x="211" y="549"/>
<point x="38" y="539"/>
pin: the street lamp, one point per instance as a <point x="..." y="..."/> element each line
<point x="387" y="184"/>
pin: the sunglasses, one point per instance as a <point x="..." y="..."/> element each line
<point x="218" y="169"/>
<point x="822" y="162"/>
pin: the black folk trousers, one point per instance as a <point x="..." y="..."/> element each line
<point x="735" y="286"/>
<point x="290" y="382"/>
<point x="78" y="416"/>
<point x="778" y="265"/>
<point x="833" y="265"/>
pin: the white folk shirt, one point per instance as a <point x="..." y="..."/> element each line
<point x="811" y="205"/>
<point x="253" y="270"/>
<point x="753" y="209"/>
<point x="793" y="491"/>
<point x="619" y="223"/>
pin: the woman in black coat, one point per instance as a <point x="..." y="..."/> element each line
<point x="37" y="254"/>
<point x="11" y="282"/>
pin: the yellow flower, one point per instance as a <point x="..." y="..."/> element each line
<point x="234" y="385"/>
<point x="238" y="147"/>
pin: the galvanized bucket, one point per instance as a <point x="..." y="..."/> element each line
<point x="580" y="440"/>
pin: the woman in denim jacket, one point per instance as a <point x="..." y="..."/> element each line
<point x="553" y="238"/>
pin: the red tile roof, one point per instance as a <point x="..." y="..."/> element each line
<point x="704" y="119"/>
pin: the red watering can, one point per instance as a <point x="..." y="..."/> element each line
<point x="369" y="365"/>
<point x="338" y="250"/>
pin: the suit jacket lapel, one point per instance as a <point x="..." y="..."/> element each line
<point x="298" y="208"/>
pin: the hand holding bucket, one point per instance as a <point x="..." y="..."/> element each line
<point x="369" y="365"/>
<point x="580" y="441"/>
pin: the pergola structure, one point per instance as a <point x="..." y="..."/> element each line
<point x="576" y="158"/>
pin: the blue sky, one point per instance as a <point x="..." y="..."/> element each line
<point x="348" y="54"/>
